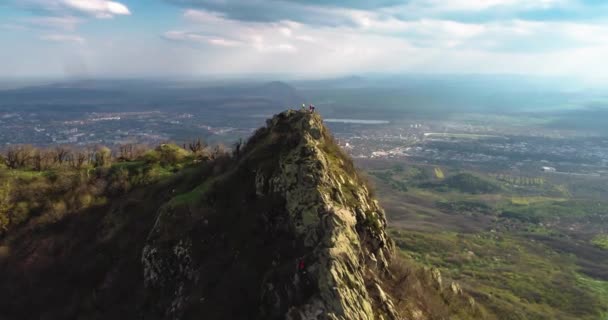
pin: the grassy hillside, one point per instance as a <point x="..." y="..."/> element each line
<point x="526" y="247"/>
<point x="512" y="277"/>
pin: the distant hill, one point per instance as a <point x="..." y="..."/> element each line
<point x="122" y="95"/>
<point x="280" y="91"/>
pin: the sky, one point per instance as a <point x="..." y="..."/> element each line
<point x="307" y="38"/>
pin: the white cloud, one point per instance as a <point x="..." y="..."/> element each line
<point x="262" y="37"/>
<point x="98" y="8"/>
<point x="95" y="8"/>
<point x="420" y="36"/>
<point x="381" y="42"/>
<point x="479" y="5"/>
<point x="200" y="38"/>
<point x="63" y="38"/>
<point x="263" y="45"/>
<point x="67" y="23"/>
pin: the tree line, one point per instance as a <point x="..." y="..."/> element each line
<point x="28" y="157"/>
<point x="43" y="185"/>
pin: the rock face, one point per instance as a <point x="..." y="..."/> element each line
<point x="292" y="226"/>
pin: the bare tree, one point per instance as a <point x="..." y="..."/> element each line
<point x="61" y="154"/>
<point x="19" y="156"/>
<point x="125" y="152"/>
<point x="37" y="160"/>
<point x="81" y="158"/>
<point x="12" y="156"/>
<point x="47" y="159"/>
<point x="197" y="146"/>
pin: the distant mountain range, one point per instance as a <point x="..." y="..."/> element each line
<point x="131" y="93"/>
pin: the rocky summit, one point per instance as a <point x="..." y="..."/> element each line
<point x="313" y="238"/>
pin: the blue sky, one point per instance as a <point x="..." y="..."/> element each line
<point x="314" y="38"/>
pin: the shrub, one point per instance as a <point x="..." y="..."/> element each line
<point x="20" y="213"/>
<point x="103" y="157"/>
<point x="170" y="154"/>
<point x="151" y="156"/>
<point x="601" y="241"/>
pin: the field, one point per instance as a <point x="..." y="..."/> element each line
<point x="529" y="246"/>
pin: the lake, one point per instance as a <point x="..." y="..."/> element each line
<point x="356" y="121"/>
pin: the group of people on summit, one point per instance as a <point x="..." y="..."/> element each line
<point x="311" y="108"/>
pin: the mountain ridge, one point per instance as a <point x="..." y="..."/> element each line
<point x="284" y="228"/>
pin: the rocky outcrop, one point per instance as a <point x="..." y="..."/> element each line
<point x="321" y="232"/>
<point x="329" y="208"/>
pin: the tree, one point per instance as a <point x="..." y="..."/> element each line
<point x="103" y="157"/>
<point x="62" y="154"/>
<point x="37" y="160"/>
<point x="80" y="159"/>
<point x="47" y="159"/>
<point x="170" y="154"/>
<point x="197" y="146"/>
<point x="19" y="157"/>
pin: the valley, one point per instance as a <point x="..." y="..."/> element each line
<point x="527" y="247"/>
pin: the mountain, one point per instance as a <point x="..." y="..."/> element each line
<point x="285" y="228"/>
<point x="129" y="95"/>
<point x="300" y="224"/>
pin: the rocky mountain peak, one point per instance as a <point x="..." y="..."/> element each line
<point x="319" y="243"/>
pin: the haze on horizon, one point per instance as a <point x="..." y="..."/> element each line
<point x="129" y="38"/>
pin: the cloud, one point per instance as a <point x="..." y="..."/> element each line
<point x="339" y="12"/>
<point x="271" y="11"/>
<point x="98" y="8"/>
<point x="69" y="38"/>
<point x="289" y="36"/>
<point x="216" y="30"/>
<point x="63" y="16"/>
<point x="95" y="8"/>
<point x="480" y="5"/>
<point x="185" y="36"/>
<point x="326" y="37"/>
<point x="380" y="41"/>
<point x="67" y="23"/>
<point x="534" y="36"/>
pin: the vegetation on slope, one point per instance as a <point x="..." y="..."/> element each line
<point x="85" y="261"/>
<point x="77" y="180"/>
<point x="514" y="278"/>
<point x="523" y="250"/>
